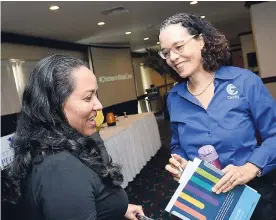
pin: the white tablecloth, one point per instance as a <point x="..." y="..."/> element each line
<point x="132" y="142"/>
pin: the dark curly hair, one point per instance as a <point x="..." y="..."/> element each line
<point x="215" y="51"/>
<point x="42" y="127"/>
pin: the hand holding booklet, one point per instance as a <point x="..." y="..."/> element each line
<point x="194" y="199"/>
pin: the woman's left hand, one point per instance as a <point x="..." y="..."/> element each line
<point x="235" y="175"/>
<point x="133" y="210"/>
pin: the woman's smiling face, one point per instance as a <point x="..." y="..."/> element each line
<point x="82" y="105"/>
<point x="187" y="59"/>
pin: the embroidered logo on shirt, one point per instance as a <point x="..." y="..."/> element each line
<point x="232" y="91"/>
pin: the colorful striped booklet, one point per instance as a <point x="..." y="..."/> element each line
<point x="194" y="199"/>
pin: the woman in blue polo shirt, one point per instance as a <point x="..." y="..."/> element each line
<point x="219" y="105"/>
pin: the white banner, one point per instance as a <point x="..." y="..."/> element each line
<point x="7" y="153"/>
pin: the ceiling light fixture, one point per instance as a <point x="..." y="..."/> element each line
<point x="146" y="38"/>
<point x="101" y="23"/>
<point x="54" y="7"/>
<point x="193" y="2"/>
<point x="202" y="16"/>
<point x="128" y="32"/>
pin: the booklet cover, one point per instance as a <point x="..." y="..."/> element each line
<point x="194" y="199"/>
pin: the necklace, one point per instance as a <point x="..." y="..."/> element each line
<point x="197" y="94"/>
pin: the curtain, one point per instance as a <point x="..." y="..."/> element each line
<point x="14" y="77"/>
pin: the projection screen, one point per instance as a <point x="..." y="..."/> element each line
<point x="114" y="73"/>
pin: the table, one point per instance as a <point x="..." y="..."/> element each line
<point x="132" y="142"/>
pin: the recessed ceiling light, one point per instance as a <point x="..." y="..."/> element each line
<point x="128" y="32"/>
<point x="158" y="42"/>
<point x="193" y="2"/>
<point x="54" y="7"/>
<point x="202" y="16"/>
<point x="101" y="23"/>
<point x="146" y="38"/>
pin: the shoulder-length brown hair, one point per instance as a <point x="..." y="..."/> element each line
<point x="215" y="51"/>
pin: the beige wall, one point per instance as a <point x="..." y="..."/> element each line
<point x="146" y="76"/>
<point x="156" y="78"/>
<point x="150" y="76"/>
<point x="237" y="58"/>
<point x="272" y="89"/>
<point x="142" y="79"/>
<point x="247" y="45"/>
<point x="170" y="79"/>
<point x="263" y="20"/>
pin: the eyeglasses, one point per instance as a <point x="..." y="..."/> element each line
<point x="177" y="48"/>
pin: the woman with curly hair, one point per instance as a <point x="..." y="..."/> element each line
<point x="59" y="171"/>
<point x="219" y="105"/>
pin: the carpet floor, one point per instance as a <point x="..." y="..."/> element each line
<point x="153" y="186"/>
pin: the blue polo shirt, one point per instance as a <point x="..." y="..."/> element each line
<point x="241" y="105"/>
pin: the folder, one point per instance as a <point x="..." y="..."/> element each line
<point x="194" y="199"/>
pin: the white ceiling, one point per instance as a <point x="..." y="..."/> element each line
<point x="77" y="21"/>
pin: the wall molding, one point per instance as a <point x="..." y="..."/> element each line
<point x="248" y="4"/>
<point x="271" y="79"/>
<point x="235" y="50"/>
<point x="235" y="45"/>
<point x="244" y="33"/>
<point x="138" y="55"/>
<point x="105" y="46"/>
<point x="7" y="37"/>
